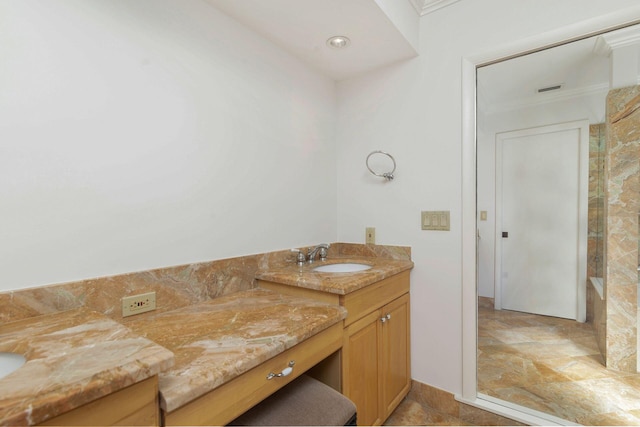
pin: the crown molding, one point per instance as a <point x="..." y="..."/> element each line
<point x="424" y="7"/>
<point x="417" y="5"/>
<point x="548" y="98"/>
<point x="606" y="43"/>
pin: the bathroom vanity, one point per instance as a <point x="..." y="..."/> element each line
<point x="207" y="362"/>
<point x="375" y="358"/>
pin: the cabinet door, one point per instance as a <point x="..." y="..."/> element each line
<point x="361" y="368"/>
<point x="136" y="405"/>
<point x="396" y="363"/>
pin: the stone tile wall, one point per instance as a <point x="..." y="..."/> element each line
<point x="622" y="206"/>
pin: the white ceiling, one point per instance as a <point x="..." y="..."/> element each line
<point x="302" y="27"/>
<point x="579" y="67"/>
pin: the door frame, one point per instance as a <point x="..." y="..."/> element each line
<point x="587" y="28"/>
<point x="583" y="204"/>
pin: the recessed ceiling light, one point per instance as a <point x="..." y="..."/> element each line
<point x="338" y="42"/>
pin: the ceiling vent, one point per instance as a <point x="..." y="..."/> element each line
<point x="549" y="88"/>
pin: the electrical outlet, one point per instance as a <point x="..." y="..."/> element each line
<point x="136" y="304"/>
<point x="370" y="237"/>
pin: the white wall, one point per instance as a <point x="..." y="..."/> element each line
<point x="150" y="133"/>
<point x="590" y="107"/>
<point x="413" y="110"/>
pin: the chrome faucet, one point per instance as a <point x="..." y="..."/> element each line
<point x="300" y="258"/>
<point x="321" y="249"/>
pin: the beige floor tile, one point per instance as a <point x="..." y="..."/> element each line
<point x="554" y="366"/>
<point x="411" y="413"/>
<point x="552" y="349"/>
<point x="505" y="370"/>
<point x="510" y="336"/>
<point x="631" y="379"/>
<point x="611" y="419"/>
<point x="578" y="368"/>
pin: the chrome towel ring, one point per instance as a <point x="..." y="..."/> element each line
<point x="387" y="175"/>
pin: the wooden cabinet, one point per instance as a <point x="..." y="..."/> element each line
<point x="136" y="405"/>
<point x="376" y="370"/>
<point x="376" y="366"/>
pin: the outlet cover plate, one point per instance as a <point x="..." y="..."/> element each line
<point x="370" y="236"/>
<point x="136" y="304"/>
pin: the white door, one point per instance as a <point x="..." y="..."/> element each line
<point x="541" y="221"/>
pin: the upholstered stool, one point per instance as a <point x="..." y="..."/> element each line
<point x="303" y="402"/>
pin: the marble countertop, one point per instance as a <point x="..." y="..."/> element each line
<point x="73" y="357"/>
<point x="337" y="283"/>
<point x="79" y="355"/>
<point x="217" y="340"/>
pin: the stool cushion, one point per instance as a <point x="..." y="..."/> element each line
<point x="303" y="402"/>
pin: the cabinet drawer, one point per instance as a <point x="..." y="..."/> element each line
<point x="225" y="403"/>
<point x="365" y="300"/>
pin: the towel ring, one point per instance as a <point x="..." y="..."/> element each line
<point x="387" y="175"/>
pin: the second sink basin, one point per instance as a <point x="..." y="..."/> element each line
<point x="346" y="267"/>
<point x="9" y="362"/>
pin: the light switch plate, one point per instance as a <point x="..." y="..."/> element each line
<point x="435" y="220"/>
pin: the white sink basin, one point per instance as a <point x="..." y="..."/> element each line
<point x="9" y="362"/>
<point x="347" y="267"/>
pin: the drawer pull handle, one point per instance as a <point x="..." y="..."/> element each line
<point x="385" y="318"/>
<point x="285" y="372"/>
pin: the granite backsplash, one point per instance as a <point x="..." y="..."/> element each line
<point x="175" y="287"/>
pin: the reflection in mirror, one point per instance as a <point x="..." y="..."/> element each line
<point x="554" y="157"/>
